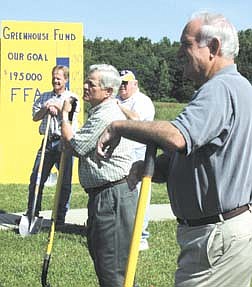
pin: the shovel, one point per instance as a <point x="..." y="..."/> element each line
<point x="48" y="253"/>
<point x="31" y="224"/>
<point x="47" y="256"/>
<point x="149" y="163"/>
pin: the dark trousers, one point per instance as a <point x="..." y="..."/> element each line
<point x="51" y="158"/>
<point x="111" y="215"/>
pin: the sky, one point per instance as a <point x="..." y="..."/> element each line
<point x="110" y="19"/>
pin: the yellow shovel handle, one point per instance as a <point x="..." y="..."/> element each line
<point x="149" y="164"/>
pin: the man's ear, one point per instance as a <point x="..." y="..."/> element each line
<point x="109" y="92"/>
<point x="136" y="83"/>
<point x="214" y="47"/>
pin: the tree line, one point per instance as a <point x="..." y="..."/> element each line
<point x="158" y="70"/>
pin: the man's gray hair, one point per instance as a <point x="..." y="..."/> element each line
<point x="217" y="26"/>
<point x="109" y="76"/>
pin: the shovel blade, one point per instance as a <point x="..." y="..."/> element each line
<point x="27" y="228"/>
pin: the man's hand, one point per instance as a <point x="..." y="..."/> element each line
<point x="67" y="106"/>
<point x="130" y="115"/>
<point x="135" y="174"/>
<point x="53" y="107"/>
<point x="161" y="171"/>
<point x="73" y="102"/>
<point x="107" y="142"/>
<point x="66" y="109"/>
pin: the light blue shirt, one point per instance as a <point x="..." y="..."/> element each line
<point x="215" y="173"/>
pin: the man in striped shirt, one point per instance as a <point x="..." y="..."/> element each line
<point x="112" y="204"/>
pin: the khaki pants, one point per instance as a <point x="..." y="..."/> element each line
<point x="216" y="255"/>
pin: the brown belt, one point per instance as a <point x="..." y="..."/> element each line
<point x="106" y="185"/>
<point x="215" y="218"/>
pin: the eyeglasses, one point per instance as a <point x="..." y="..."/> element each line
<point x="125" y="83"/>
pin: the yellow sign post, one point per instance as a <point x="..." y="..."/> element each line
<point x="29" y="50"/>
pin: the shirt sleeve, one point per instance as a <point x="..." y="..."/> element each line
<point x="36" y="106"/>
<point x="208" y="118"/>
<point x="144" y="108"/>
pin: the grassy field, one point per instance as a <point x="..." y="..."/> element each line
<point x="167" y="111"/>
<point x="21" y="258"/>
<point x="13" y="197"/>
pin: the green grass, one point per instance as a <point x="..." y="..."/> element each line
<point x="13" y="197"/>
<point x="21" y="258"/>
<point x="167" y="111"/>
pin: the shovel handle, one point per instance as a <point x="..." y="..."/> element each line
<point x="149" y="161"/>
<point x="53" y="221"/>
<point x="40" y="169"/>
<point x="45" y="271"/>
<point x="53" y="224"/>
<point x="149" y="165"/>
<point x="43" y="150"/>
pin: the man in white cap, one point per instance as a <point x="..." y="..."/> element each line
<point x="136" y="106"/>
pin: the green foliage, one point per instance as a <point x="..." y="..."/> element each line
<point x="164" y="86"/>
<point x="159" y="72"/>
<point x="245" y="54"/>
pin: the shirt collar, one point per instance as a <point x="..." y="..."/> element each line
<point x="227" y="70"/>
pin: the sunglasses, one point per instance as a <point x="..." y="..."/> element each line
<point x="125" y="83"/>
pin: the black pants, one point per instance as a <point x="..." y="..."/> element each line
<point x="52" y="157"/>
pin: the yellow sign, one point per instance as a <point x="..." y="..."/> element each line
<point x="29" y="51"/>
